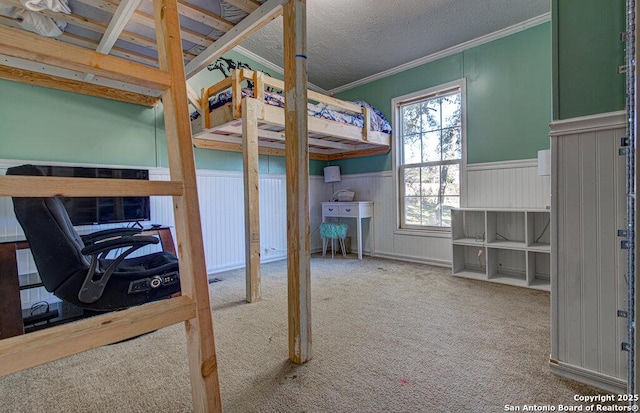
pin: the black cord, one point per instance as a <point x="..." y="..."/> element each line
<point x="37" y="306"/>
<point x="502" y="236"/>
<point x="543" y="231"/>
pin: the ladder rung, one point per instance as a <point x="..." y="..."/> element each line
<point x="46" y="186"/>
<point x="29" y="350"/>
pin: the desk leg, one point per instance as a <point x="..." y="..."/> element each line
<point x="359" y="220"/>
<point x="166" y="239"/>
<point x="10" y="306"/>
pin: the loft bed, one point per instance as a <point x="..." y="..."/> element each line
<point x="79" y="63"/>
<point x="337" y="129"/>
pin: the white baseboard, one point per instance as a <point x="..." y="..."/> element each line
<point x="409" y="258"/>
<point x="592" y="378"/>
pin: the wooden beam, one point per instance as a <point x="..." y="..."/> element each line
<point x="203" y="364"/>
<point x="203" y="16"/>
<point x="359" y="153"/>
<point x="146" y="20"/>
<point x="29" y="350"/>
<point x="193" y="98"/>
<point x="116" y="26"/>
<point x="75" y="86"/>
<point x="279" y="136"/>
<point x="239" y="33"/>
<point x="204" y="143"/>
<point x="245" y="5"/>
<point x="116" y="51"/>
<point x="297" y="173"/>
<point x="47" y="186"/>
<point x="89" y="24"/>
<point x="250" y="112"/>
<point x="30" y="46"/>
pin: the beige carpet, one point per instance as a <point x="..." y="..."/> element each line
<point x="388" y="336"/>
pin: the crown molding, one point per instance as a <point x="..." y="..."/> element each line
<point x="507" y="31"/>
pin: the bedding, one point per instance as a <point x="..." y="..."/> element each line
<point x="321" y="110"/>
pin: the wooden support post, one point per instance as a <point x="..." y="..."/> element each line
<point x="258" y="86"/>
<point x="203" y="367"/>
<point x="250" y="111"/>
<point x="204" y="107"/>
<point x="297" y="165"/>
<point x="236" y="92"/>
<point x="366" y="113"/>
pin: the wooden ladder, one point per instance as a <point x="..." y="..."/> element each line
<point x="22" y="352"/>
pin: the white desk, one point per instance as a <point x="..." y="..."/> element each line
<point x="358" y="210"/>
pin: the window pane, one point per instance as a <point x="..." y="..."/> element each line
<point x="411" y="119"/>
<point x="412" y="210"/>
<point x="449" y="202"/>
<point x="451" y="144"/>
<point x="412" y="182"/>
<point x="451" y="111"/>
<point x="430" y="180"/>
<point x="430" y="211"/>
<point x="451" y="179"/>
<point x="431" y="146"/>
<point x="431" y="114"/>
<point x="412" y="149"/>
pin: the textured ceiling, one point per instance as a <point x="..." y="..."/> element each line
<point x="352" y="39"/>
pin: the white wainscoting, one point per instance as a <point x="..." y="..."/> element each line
<point x="511" y="184"/>
<point x="588" y="267"/>
<point x="221" y="196"/>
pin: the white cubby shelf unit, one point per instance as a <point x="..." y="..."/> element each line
<point x="509" y="246"/>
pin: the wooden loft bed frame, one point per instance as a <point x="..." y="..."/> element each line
<point x="222" y="127"/>
<point x="193" y="307"/>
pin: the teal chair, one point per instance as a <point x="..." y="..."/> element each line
<point x="333" y="231"/>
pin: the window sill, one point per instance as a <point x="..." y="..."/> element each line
<point x="430" y="233"/>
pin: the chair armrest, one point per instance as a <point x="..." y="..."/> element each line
<point x="109" y="233"/>
<point x="120" y="242"/>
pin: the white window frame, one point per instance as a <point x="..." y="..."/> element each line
<point x="396" y="103"/>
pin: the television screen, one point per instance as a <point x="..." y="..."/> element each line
<point x="103" y="210"/>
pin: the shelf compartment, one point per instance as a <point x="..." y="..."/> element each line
<point x="506" y="226"/>
<point x="538" y="231"/>
<point x="507" y="264"/>
<point x="468" y="226"/>
<point x="468" y="263"/>
<point x="538" y="269"/>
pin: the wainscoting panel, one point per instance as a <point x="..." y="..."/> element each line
<point x="512" y="184"/>
<point x="587" y="264"/>
<point x="221" y="199"/>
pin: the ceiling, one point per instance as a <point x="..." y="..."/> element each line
<point x="348" y="40"/>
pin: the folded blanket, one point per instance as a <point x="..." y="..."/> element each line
<point x="32" y="21"/>
<point x="59" y="6"/>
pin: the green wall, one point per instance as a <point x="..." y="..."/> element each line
<point x="586" y="54"/>
<point x="49" y="125"/>
<point x="508" y="97"/>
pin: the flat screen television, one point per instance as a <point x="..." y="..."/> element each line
<point x="103" y="210"/>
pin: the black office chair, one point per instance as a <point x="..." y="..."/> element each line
<point x="76" y="269"/>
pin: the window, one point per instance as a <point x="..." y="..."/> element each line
<point x="429" y="137"/>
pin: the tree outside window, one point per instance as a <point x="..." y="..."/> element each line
<point x="430" y="139"/>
